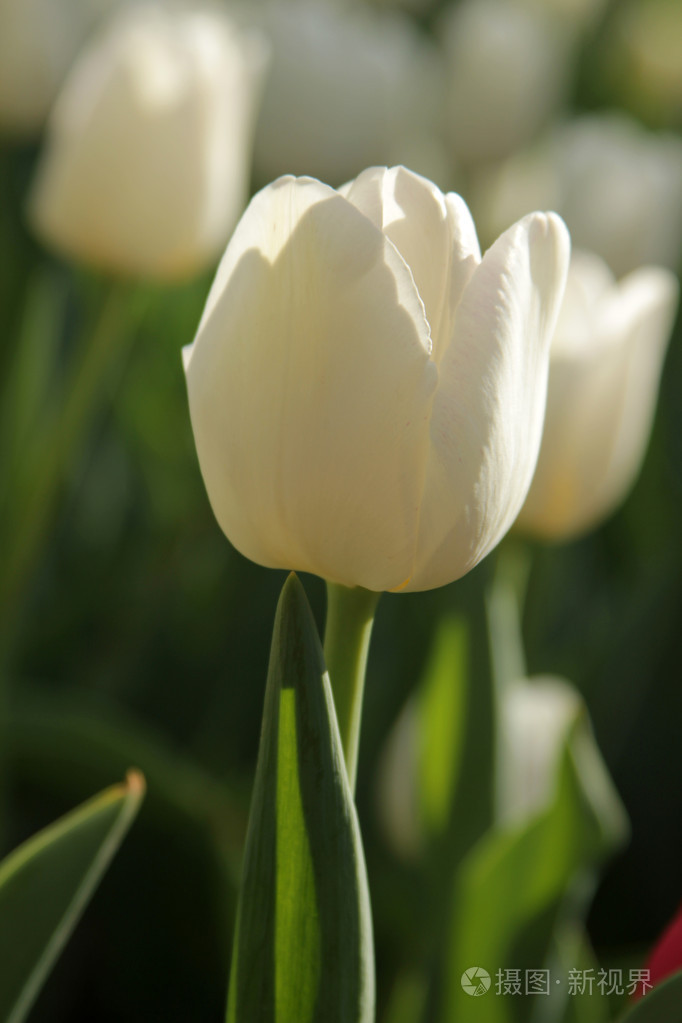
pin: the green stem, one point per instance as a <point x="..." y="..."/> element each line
<point x="350" y="616"/>
<point x="504" y="607"/>
<point x="35" y="498"/>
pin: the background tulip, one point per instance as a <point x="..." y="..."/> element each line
<point x="536" y="717"/>
<point x="147" y="162"/>
<point x="366" y="392"/>
<point x="506" y="72"/>
<point x="346" y="89"/>
<point x="618" y="187"/>
<point x="605" y="365"/>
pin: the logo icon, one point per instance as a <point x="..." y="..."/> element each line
<point x="475" y="981"/>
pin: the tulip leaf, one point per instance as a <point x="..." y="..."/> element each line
<point x="663" y="1004"/>
<point x="442" y="706"/>
<point x="574" y="952"/>
<point x="29" y="380"/>
<point x="303" y="950"/>
<point x="45" y="885"/>
<point x="512" y="888"/>
<point x="457" y="734"/>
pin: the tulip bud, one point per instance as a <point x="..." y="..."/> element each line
<point x="535" y="720"/>
<point x="618" y="187"/>
<point x="507" y="70"/>
<point x="147" y="161"/>
<point x="346" y="89"/>
<point x="366" y="392"/>
<point x="538" y="720"/>
<point x="605" y="365"/>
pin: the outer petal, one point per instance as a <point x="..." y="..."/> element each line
<point x="433" y="232"/>
<point x="487" y="415"/>
<point x="600" y="406"/>
<point x="310" y="390"/>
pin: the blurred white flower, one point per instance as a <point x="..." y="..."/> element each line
<point x="536" y="717"/>
<point x="147" y="160"/>
<point x="538" y="721"/>
<point x="605" y="366"/>
<point x="346" y="89"/>
<point x="618" y="187"/>
<point x="506" y="73"/>
<point x="366" y="392"/>
<point x="38" y="42"/>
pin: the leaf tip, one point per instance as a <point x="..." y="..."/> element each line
<point x="135" y="783"/>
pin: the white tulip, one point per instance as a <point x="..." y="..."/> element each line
<point x="366" y="392"/>
<point x="605" y="366"/>
<point x="346" y="89"/>
<point x="147" y="162"/>
<point x="539" y="719"/>
<point x="38" y="42"/>
<point x="507" y="69"/>
<point x="618" y="187"/>
<point x="535" y="718"/>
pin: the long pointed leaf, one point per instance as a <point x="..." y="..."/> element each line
<point x="303" y="948"/>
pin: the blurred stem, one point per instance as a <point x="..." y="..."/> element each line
<point x="350" y="616"/>
<point x="504" y="609"/>
<point x="33" y="502"/>
<point x="34" y="491"/>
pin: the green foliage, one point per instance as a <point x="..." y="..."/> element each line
<point x="661" y="1005"/>
<point x="511" y="891"/>
<point x="303" y="947"/>
<point x="45" y="885"/>
<point x="442" y="723"/>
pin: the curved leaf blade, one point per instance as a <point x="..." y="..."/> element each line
<point x="303" y="949"/>
<point x="662" y="1005"/>
<point x="46" y="883"/>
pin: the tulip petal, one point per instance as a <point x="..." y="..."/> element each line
<point x="488" y="411"/>
<point x="310" y="389"/>
<point x="600" y="407"/>
<point x="434" y="233"/>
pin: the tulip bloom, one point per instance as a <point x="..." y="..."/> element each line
<point x="346" y="88"/>
<point x="366" y="392"/>
<point x="605" y="365"/>
<point x="507" y="71"/>
<point x="147" y="161"/>
<point x="617" y="186"/>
